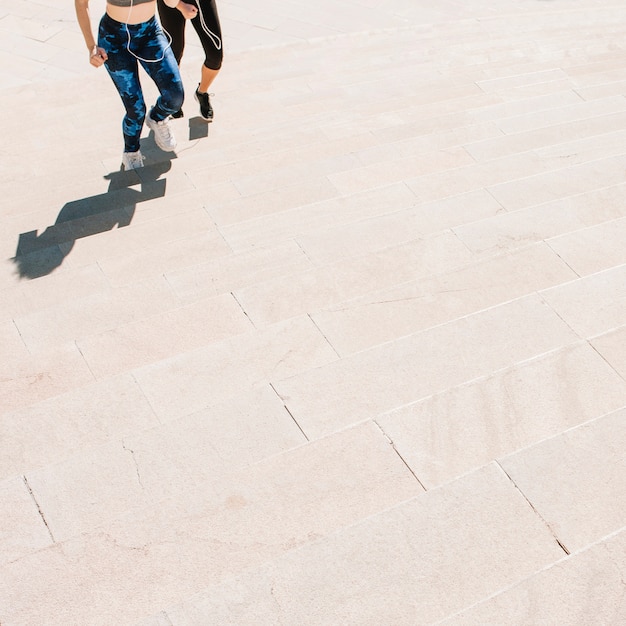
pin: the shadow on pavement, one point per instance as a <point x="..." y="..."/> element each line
<point x="198" y="128"/>
<point x="40" y="254"/>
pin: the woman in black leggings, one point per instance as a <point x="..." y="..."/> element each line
<point x="205" y="20"/>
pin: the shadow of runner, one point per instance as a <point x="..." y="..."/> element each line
<point x="198" y="128"/>
<point x="39" y="255"/>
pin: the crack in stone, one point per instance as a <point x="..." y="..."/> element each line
<point x="43" y="517"/>
<point x="277" y="603"/>
<point x="121" y="546"/>
<point x="393" y="446"/>
<point x="532" y="506"/>
<point x="132" y="454"/>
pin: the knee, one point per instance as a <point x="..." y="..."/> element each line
<point x="213" y="59"/>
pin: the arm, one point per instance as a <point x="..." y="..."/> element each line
<point x="189" y="11"/>
<point x="97" y="56"/>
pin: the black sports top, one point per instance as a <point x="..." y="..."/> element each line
<point x="127" y="3"/>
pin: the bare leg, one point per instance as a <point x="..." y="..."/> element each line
<point x="207" y="77"/>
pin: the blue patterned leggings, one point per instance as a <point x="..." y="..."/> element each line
<point x="148" y="42"/>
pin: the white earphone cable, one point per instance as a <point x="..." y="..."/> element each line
<point x="169" y="43"/>
<point x="215" y="40"/>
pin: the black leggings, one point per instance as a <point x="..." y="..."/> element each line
<point x="173" y="22"/>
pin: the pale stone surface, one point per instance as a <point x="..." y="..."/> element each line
<point x="289" y="296"/>
<point x="202" y="446"/>
<point x="612" y="346"/>
<point x="292" y="181"/>
<point x="293" y="174"/>
<point x="22" y="529"/>
<point x="393" y="171"/>
<point x="445" y="557"/>
<point x="378" y="232"/>
<point x="85" y="490"/>
<point x="499" y="84"/>
<point x="36" y="295"/>
<point x="452" y="432"/>
<point x="419" y="304"/>
<point x="416" y="146"/>
<point x="162" y="335"/>
<point x="102" y="482"/>
<point x="109" y="309"/>
<point x="111" y="243"/>
<point x="595" y="248"/>
<point x="346" y="209"/>
<point x="608" y="143"/>
<point x="25" y="380"/>
<point x="157" y="620"/>
<point x="509" y="230"/>
<point x="192" y="381"/>
<point x="235" y="271"/>
<point x="393" y="374"/>
<point x="576" y="480"/>
<point x="274" y="201"/>
<point x="574" y="112"/>
<point x="585" y="588"/>
<point x="168" y="257"/>
<point x="570" y="181"/>
<point x="11" y="341"/>
<point x="51" y="430"/>
<point x="474" y="109"/>
<point x="543" y="139"/>
<point x="592" y="305"/>
<point x="151" y="558"/>
<point x="492" y="175"/>
<point x="602" y="90"/>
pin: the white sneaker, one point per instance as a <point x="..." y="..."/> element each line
<point x="163" y="134"/>
<point x="132" y="160"/>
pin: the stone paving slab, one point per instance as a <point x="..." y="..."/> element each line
<point x="450" y="433"/>
<point x="439" y="541"/>
<point x="85" y="416"/>
<point x="415" y="305"/>
<point x="580" y="589"/>
<point x="127" y="569"/>
<point x="364" y="384"/>
<point x="575" y="480"/>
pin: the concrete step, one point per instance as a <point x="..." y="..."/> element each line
<point x="243" y="518"/>
<point x="568" y="591"/>
<point x="533" y="524"/>
<point x="81" y="485"/>
<point x="300" y="346"/>
<point x="447" y="559"/>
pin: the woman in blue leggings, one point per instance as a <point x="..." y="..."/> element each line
<point x="206" y="23"/>
<point x="130" y="34"/>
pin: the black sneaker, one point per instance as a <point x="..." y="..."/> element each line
<point x="177" y="115"/>
<point x="206" y="110"/>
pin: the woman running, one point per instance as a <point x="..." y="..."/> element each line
<point x="129" y="34"/>
<point x="205" y="20"/>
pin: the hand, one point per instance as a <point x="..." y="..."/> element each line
<point x="97" y="56"/>
<point x="189" y="11"/>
